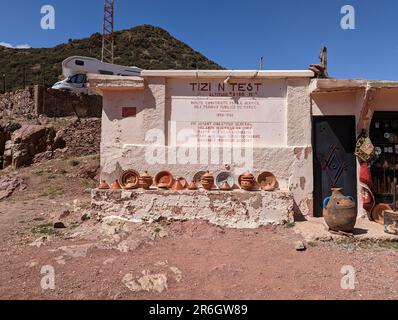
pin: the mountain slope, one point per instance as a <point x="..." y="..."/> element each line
<point x="146" y="46"/>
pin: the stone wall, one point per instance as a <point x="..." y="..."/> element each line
<point x="52" y="103"/>
<point x="237" y="209"/>
<point x="20" y="102"/>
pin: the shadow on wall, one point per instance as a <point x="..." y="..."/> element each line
<point x="55" y="103"/>
<point x="37" y="100"/>
<point x="130" y="105"/>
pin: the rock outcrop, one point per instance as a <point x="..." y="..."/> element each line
<point x="26" y="144"/>
<point x="9" y="184"/>
<point x="29" y="141"/>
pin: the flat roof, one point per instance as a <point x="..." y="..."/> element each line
<point x="251" y="74"/>
<point x="336" y="85"/>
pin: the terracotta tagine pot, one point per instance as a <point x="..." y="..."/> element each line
<point x="163" y="186"/>
<point x="146" y="181"/>
<point x="207" y="181"/>
<point x="116" y="185"/>
<point x="193" y="186"/>
<point x="391" y="222"/>
<point x="340" y="212"/>
<point x="179" y="184"/>
<point x="267" y="181"/>
<point x="104" y="185"/>
<point x="226" y="187"/>
<point x="164" y="177"/>
<point x="247" y="181"/>
<point x="130" y="179"/>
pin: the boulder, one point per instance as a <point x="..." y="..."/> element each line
<point x="8" y="185"/>
<point x="59" y="141"/>
<point x="29" y="141"/>
<point x="3" y="139"/>
<point x="7" y="156"/>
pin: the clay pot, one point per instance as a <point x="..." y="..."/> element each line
<point x="197" y="178"/>
<point x="179" y="184"/>
<point x="116" y="185"/>
<point x="378" y="211"/>
<point x="247" y="181"/>
<point x="225" y="177"/>
<point x="193" y="186"/>
<point x="146" y="181"/>
<point x="207" y="181"/>
<point x="163" y="186"/>
<point x="391" y="222"/>
<point x="164" y="177"/>
<point x="340" y="212"/>
<point x="104" y="185"/>
<point x="267" y="181"/>
<point x="225" y="186"/>
<point x="130" y="179"/>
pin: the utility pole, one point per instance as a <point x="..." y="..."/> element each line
<point x="23" y="77"/>
<point x="4" y="83"/>
<point x="108" y="32"/>
<point x="261" y="63"/>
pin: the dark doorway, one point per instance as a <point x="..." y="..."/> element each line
<point x="384" y="135"/>
<point x="334" y="141"/>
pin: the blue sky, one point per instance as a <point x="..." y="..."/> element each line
<point x="288" y="33"/>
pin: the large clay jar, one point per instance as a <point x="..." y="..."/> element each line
<point x="340" y="212"/>
<point x="247" y="181"/>
<point x="146" y="181"/>
<point x="207" y="181"/>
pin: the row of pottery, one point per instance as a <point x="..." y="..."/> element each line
<point x="164" y="180"/>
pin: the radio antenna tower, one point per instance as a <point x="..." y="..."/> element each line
<point x="108" y="32"/>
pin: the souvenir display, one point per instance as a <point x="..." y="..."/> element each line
<point x="146" y="181"/>
<point x="197" y="178"/>
<point x="193" y="186"/>
<point x="179" y="184"/>
<point x="130" y="179"/>
<point x="267" y="181"/>
<point x="247" y="181"/>
<point x="104" y="185"/>
<point x="164" y="177"/>
<point x="225" y="177"/>
<point x="207" y="181"/>
<point x="225" y="186"/>
<point x="116" y="185"/>
<point x="340" y="212"/>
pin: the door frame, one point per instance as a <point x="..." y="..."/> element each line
<point x="317" y="195"/>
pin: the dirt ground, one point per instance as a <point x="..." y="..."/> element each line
<point x="172" y="260"/>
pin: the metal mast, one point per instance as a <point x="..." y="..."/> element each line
<point x="107" y="32"/>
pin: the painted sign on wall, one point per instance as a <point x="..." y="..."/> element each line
<point x="235" y="111"/>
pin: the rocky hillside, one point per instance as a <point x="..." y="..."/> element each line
<point x="144" y="46"/>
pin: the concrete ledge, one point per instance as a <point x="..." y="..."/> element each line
<point x="101" y="83"/>
<point x="237" y="209"/>
<point x="315" y="229"/>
